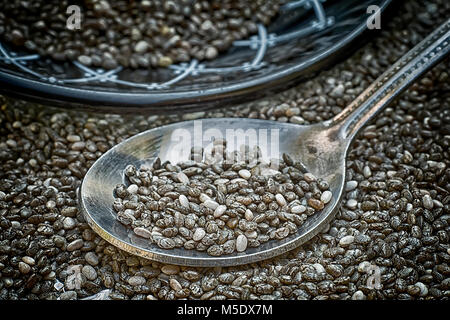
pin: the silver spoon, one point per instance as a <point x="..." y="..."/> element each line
<point x="322" y="148"/>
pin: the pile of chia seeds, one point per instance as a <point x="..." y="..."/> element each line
<point x="220" y="206"/>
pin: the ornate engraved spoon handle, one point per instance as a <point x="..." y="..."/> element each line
<point x="392" y="82"/>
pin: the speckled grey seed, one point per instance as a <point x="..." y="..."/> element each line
<point x="241" y="243"/>
<point x="24" y="268"/>
<point x="358" y="295"/>
<point x="142" y="232"/>
<point x="75" y="245"/>
<point x="326" y="196"/>
<point x="91" y="258"/>
<point x="351" y="185"/>
<point x="198" y="234"/>
<point x="136" y="281"/>
<point x="427" y="202"/>
<point x="280" y="199"/>
<point x="89" y="272"/>
<point x="351" y="204"/>
<point x="347" y="240"/>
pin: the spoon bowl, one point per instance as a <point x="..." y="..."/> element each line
<point x="321" y="148"/>
<point x="96" y="192"/>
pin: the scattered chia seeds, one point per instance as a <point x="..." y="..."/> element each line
<point x="135" y="34"/>
<point x="408" y="242"/>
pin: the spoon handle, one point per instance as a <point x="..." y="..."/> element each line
<point x="391" y="83"/>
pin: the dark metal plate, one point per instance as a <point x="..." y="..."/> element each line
<point x="307" y="36"/>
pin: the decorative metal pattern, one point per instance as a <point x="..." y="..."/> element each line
<point x="430" y="50"/>
<point x="258" y="43"/>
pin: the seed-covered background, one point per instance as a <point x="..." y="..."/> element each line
<point x="395" y="213"/>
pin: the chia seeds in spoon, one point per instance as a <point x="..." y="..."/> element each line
<point x="217" y="206"/>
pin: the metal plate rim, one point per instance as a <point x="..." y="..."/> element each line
<point x="159" y="102"/>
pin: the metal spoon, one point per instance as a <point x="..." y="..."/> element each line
<point x="322" y="148"/>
